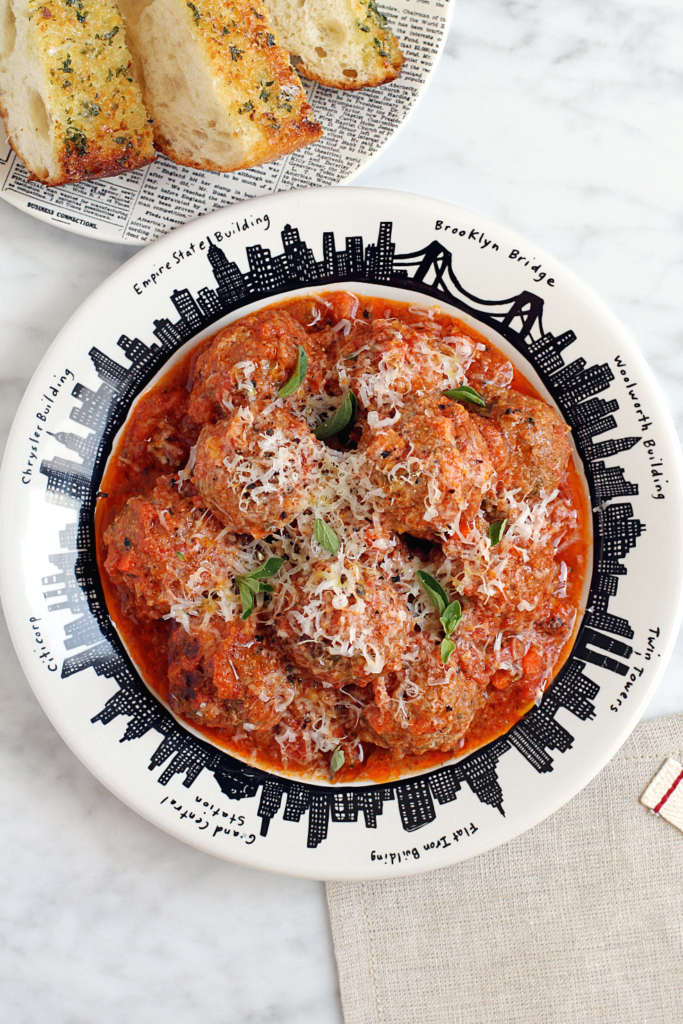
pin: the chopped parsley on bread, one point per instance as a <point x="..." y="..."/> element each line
<point x="345" y="44"/>
<point x="217" y="84"/>
<point x="71" y="106"/>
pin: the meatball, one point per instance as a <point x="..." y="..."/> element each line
<point x="386" y="360"/>
<point x="489" y="367"/>
<point x="225" y="674"/>
<point x="250" y="359"/>
<point x="520" y="581"/>
<point x="521" y="647"/>
<point x="518" y="577"/>
<point x="160" y="434"/>
<point x="425" y="706"/>
<point x="312" y="728"/>
<point x="157" y="546"/>
<point x="429" y="469"/>
<point x="344" y="625"/>
<point x="527" y="441"/>
<point x="257" y="472"/>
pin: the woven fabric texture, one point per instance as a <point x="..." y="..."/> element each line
<point x="578" y="921"/>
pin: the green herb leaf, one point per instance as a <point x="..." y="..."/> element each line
<point x="296" y="380"/>
<point x="342" y="417"/>
<point x="325" y="536"/>
<point x="247" y="603"/>
<point x="336" y="761"/>
<point x="451" y="617"/>
<point x="252" y="583"/>
<point x="76" y="137"/>
<point x="466" y="394"/>
<point x="249" y="583"/>
<point x="269" y="568"/>
<point x="496" y="531"/>
<point x="181" y="556"/>
<point x="450" y="612"/>
<point x="447" y="648"/>
<point x="435" y="592"/>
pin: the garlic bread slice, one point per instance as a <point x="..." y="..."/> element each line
<point x="220" y="90"/>
<point x="345" y="44"/>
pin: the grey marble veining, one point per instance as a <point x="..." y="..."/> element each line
<point x="562" y="120"/>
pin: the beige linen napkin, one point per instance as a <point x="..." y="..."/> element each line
<point x="579" y="921"/>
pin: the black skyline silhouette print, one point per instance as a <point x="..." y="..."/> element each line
<point x="92" y="638"/>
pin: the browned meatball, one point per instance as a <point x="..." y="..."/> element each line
<point x="489" y="367"/>
<point x="345" y="624"/>
<point x="160" y="433"/>
<point x="257" y="472"/>
<point x="431" y="468"/>
<point x="425" y="706"/>
<point x="312" y="728"/>
<point x="251" y="358"/>
<point x="527" y="441"/>
<point x="523" y="585"/>
<point x="517" y="577"/>
<point x="225" y="674"/>
<point x="159" y="549"/>
<point x="515" y="647"/>
<point x="387" y="359"/>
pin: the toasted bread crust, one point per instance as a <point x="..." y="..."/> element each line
<point x="389" y="74"/>
<point x="95" y="119"/>
<point x="308" y="132"/>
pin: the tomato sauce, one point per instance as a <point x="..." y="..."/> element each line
<point x="157" y="440"/>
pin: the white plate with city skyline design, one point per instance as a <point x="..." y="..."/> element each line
<point x="137" y="207"/>
<point x="181" y="289"/>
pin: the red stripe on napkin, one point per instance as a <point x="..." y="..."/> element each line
<point x="668" y="793"/>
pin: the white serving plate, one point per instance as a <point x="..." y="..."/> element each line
<point x="137" y="207"/>
<point x="563" y="339"/>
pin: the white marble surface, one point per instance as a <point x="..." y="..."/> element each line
<point x="561" y="119"/>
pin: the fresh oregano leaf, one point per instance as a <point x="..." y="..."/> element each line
<point x="451" y="617"/>
<point x="450" y="612"/>
<point x="296" y="380"/>
<point x="325" y="536"/>
<point x="466" y="394"/>
<point x="247" y="603"/>
<point x="343" y="415"/>
<point x="496" y="531"/>
<point x="269" y="568"/>
<point x="447" y="648"/>
<point x="435" y="592"/>
<point x="336" y="761"/>
<point x="249" y="583"/>
<point x="252" y="583"/>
